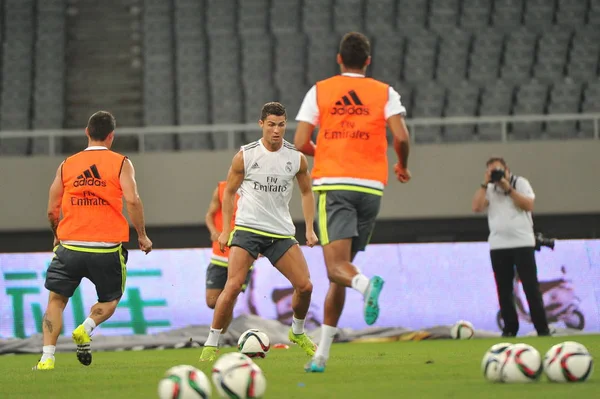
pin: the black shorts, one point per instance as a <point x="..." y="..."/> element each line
<point x="347" y="214"/>
<point x="104" y="267"/>
<point x="216" y="277"/>
<point x="272" y="246"/>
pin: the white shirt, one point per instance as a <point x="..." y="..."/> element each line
<point x="267" y="188"/>
<point x="510" y="226"/>
<point x="309" y="110"/>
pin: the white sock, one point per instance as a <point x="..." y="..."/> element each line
<point x="360" y="283"/>
<point x="297" y="325"/>
<point x="213" y="337"/>
<point x="48" y="352"/>
<point x="89" y="325"/>
<point x="327" y="334"/>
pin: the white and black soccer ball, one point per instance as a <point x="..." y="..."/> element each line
<point x="522" y="364"/>
<point x="184" y="382"/>
<point x="568" y="361"/>
<point x="462" y="329"/>
<point x="492" y="361"/>
<point x="235" y="375"/>
<point x="254" y="343"/>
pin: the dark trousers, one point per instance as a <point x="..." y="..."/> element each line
<point x="503" y="264"/>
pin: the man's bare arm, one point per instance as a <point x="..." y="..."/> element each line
<point x="308" y="199"/>
<point x="401" y="138"/>
<point x="54" y="202"/>
<point x="235" y="177"/>
<point x="209" y="219"/>
<point x="135" y="208"/>
<point x="302" y="138"/>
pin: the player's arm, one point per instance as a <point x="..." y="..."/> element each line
<point x="308" y="200"/>
<point x="235" y="177"/>
<point x="209" y="219"/>
<point x="135" y="208"/>
<point x="308" y="118"/>
<point x="54" y="202"/>
<point x="401" y="138"/>
<point x="302" y="138"/>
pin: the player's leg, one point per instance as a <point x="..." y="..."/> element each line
<point x="107" y="270"/>
<point x="504" y="275"/>
<point x="287" y="257"/>
<point x="367" y="206"/>
<point x="244" y="250"/>
<point x="62" y="279"/>
<point x="346" y="220"/>
<point x="527" y="269"/>
<point x="216" y="277"/>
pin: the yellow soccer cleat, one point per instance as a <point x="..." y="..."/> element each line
<point x="48" y="364"/>
<point x="82" y="340"/>
<point x="209" y="354"/>
<point x="303" y="341"/>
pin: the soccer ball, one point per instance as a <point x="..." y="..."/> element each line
<point x="184" y="382"/>
<point x="522" y="363"/>
<point x="492" y="361"/>
<point x="235" y="375"/>
<point x="568" y="361"/>
<point x="462" y="330"/>
<point x="254" y="343"/>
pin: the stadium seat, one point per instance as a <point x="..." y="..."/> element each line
<point x="411" y="16"/>
<point x="428" y="102"/>
<point x="380" y="16"/>
<point x="253" y="16"/>
<point x="453" y="56"/>
<point x="486" y="53"/>
<point x="348" y="16"/>
<point x="462" y="100"/>
<point x="519" y="56"/>
<point x="284" y="16"/>
<point x="443" y="15"/>
<point x="530" y="100"/>
<point x="475" y="15"/>
<point x="552" y="51"/>
<point x="420" y="59"/>
<point x="387" y="57"/>
<point x="507" y="15"/>
<point x="565" y="98"/>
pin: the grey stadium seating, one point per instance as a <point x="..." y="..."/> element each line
<point x="218" y="61"/>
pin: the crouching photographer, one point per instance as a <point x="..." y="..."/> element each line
<point x="509" y="201"/>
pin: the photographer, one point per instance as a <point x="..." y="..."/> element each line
<point x="509" y="201"/>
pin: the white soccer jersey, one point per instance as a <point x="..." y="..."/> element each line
<point x="267" y="188"/>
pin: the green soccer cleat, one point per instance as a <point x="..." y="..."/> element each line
<point x="303" y="341"/>
<point x="82" y="340"/>
<point x="371" y="309"/>
<point x="209" y="354"/>
<point x="48" y="364"/>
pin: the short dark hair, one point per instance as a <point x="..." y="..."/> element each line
<point x="100" y="125"/>
<point x="355" y="49"/>
<point x="272" y="108"/>
<point x="496" y="159"/>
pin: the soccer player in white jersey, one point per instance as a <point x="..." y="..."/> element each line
<point x="263" y="174"/>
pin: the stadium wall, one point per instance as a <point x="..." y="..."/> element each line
<point x="176" y="187"/>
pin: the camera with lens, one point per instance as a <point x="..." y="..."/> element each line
<point x="541" y="241"/>
<point x="496" y="175"/>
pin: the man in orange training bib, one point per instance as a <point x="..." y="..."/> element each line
<point x="88" y="189"/>
<point x="216" y="273"/>
<point x="350" y="172"/>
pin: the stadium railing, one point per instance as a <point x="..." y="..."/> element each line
<point x="231" y="129"/>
